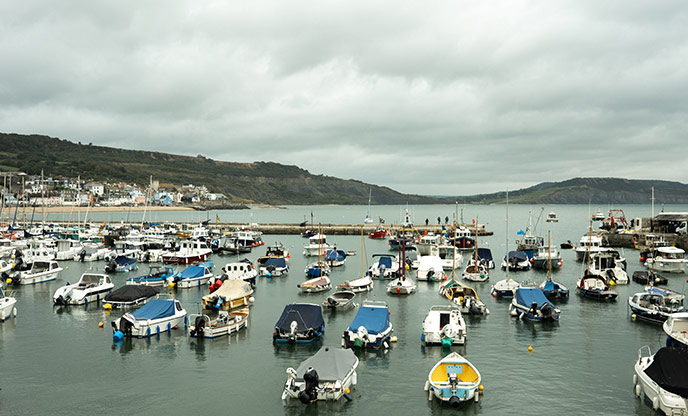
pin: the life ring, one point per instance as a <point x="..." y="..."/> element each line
<point x="635" y="238"/>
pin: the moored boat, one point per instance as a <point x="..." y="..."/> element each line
<point x="530" y="303"/>
<point x="362" y="284"/>
<point x="157" y="276"/>
<point x="676" y="329"/>
<point x="7" y="305"/>
<point x="371" y="328"/>
<point x="225" y="323"/>
<point x="190" y="251"/>
<point x="316" y="284"/>
<point x="667" y="259"/>
<point x="465" y="297"/>
<point x="121" y="264"/>
<point x="454" y="380"/>
<point x="38" y="272"/>
<point x="505" y="288"/>
<point x="231" y="294"/>
<point x="155" y="317"/>
<point x="662" y="378"/>
<point x="385" y="266"/>
<point x="274" y="267"/>
<point x="192" y="276"/>
<point x="655" y="304"/>
<point x="645" y="277"/>
<point x="91" y="287"/>
<point x="338" y="301"/>
<point x="299" y="323"/>
<point x="444" y="325"/>
<point x="129" y="296"/>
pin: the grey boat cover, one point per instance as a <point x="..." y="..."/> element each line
<point x="669" y="369"/>
<point x="331" y="363"/>
<point x="130" y="293"/>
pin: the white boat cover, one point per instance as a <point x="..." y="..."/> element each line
<point x="232" y="289"/>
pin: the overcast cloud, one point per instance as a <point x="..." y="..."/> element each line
<point x="442" y="97"/>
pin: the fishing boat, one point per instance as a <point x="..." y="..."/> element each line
<point x="371" y="328"/>
<point x="465" y="297"/>
<point x="37" y="272"/>
<point x="598" y="216"/>
<point x="668" y="260"/>
<point x="604" y="263"/>
<point x="121" y="264"/>
<point x="192" y="276"/>
<point x="588" y="244"/>
<point x="379" y="233"/>
<point x="451" y="258"/>
<point x="335" y="258"/>
<point x="406" y="233"/>
<point x="529" y="242"/>
<point x="238" y="270"/>
<point x="427" y="242"/>
<point x="327" y="375"/>
<point x="299" y="323"/>
<point x="316" y="284"/>
<point x="504" y="288"/>
<point x="317" y="245"/>
<point x="129" y="296"/>
<point x="431" y="268"/>
<point x="190" y="251"/>
<point x="153" y="318"/>
<point x="592" y="285"/>
<point x="277" y="250"/>
<point x="225" y="323"/>
<point x="444" y="325"/>
<point x="655" y="304"/>
<point x="676" y="329"/>
<point x="645" y="277"/>
<point x="462" y="239"/>
<point x="362" y="284"/>
<point x="231" y="294"/>
<point x="385" y="266"/>
<point x="339" y="301"/>
<point x="7" y="305"/>
<point x="454" y="380"/>
<point x="662" y="379"/>
<point x="547" y="258"/>
<point x="274" y="267"/>
<point x="90" y="288"/>
<point x="517" y="261"/>
<point x="552" y="217"/>
<point x="156" y="276"/>
<point x="531" y="303"/>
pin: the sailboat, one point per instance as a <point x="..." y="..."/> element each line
<point x="402" y="285"/>
<point x="550" y="288"/>
<point x="367" y="219"/>
<point x="363" y="283"/>
<point x="505" y="288"/>
<point x="476" y="271"/>
<point x="464" y="296"/>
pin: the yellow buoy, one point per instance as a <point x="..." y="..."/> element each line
<point x="633" y="317"/>
<point x="347" y="391"/>
<point x="66" y="267"/>
<point x="393" y="339"/>
<point x="530" y="348"/>
<point x="612" y="283"/>
<point x="170" y="285"/>
<point x="101" y="324"/>
<point x="481" y="388"/>
<point x="107" y="306"/>
<point x="8" y="281"/>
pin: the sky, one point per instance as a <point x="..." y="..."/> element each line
<point x="434" y="98"/>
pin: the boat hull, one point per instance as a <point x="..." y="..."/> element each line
<point x="7" y="308"/>
<point x="178" y="259"/>
<point x="32" y="279"/>
<point x="145" y="329"/>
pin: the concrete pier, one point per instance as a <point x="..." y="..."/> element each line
<point x="336" y="229"/>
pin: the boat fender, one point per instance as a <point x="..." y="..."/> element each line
<point x="118" y="335"/>
<point x="635" y="238"/>
<point x="347" y="396"/>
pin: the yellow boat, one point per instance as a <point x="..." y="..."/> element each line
<point x="454" y="380"/>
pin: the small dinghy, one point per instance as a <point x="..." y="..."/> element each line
<point x="370" y="328"/>
<point x="662" y="378"/>
<point x="327" y="375"/>
<point x="274" y="267"/>
<point x="129" y="296"/>
<point x="444" y="325"/>
<point x="299" y="323"/>
<point x="505" y="288"/>
<point x="454" y="380"/>
<point x="91" y="287"/>
<point x="476" y="271"/>
<point x="231" y="294"/>
<point x="153" y="318"/>
<point x="594" y="286"/>
<point x="317" y="284"/>
<point x="339" y="301"/>
<point x="644" y="277"/>
<point x="655" y="304"/>
<point x="192" y="276"/>
<point x="362" y="284"/>
<point x="121" y="264"/>
<point x="7" y="305"/>
<point x="317" y="269"/>
<point x="530" y="303"/>
<point x="157" y="276"/>
<point x="552" y="289"/>
<point x="465" y="297"/>
<point x="225" y="323"/>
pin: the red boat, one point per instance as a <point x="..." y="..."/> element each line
<point x="379" y="233"/>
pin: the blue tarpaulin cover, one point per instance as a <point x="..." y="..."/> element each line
<point x="155" y="309"/>
<point x="374" y="319"/>
<point x="519" y="255"/>
<point x="307" y="316"/>
<point x="484" y="253"/>
<point x="525" y="296"/>
<point x="275" y="262"/>
<point x="550" y="285"/>
<point x="191" y="272"/>
<point x="335" y="255"/>
<point x="385" y="261"/>
<point x="124" y="260"/>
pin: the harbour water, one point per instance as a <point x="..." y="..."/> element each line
<point x="55" y="360"/>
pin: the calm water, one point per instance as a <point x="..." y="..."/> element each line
<point x="57" y="361"/>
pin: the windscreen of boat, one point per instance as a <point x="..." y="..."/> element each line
<point x="155" y="309"/>
<point x="669" y="369"/>
<point x="306" y="316"/>
<point x="374" y="319"/>
<point x="332" y="364"/>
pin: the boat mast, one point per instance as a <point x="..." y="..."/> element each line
<point x="549" y="255"/>
<point x="587" y="271"/>
<point x="506" y="239"/>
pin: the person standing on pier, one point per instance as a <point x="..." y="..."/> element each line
<point x="427" y="221"/>
<point x="439" y="220"/>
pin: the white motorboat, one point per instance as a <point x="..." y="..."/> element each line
<point x="444" y="325"/>
<point x="505" y="288"/>
<point x="327" y="375"/>
<point x="371" y="328"/>
<point x="91" y="287"/>
<point x="552" y="217"/>
<point x="362" y="284"/>
<point x="517" y="261"/>
<point x="676" y="329"/>
<point x="67" y="249"/>
<point x="317" y="246"/>
<point x="450" y="256"/>
<point x="240" y="270"/>
<point x="155" y="317"/>
<point x="7" y="305"/>
<point x="385" y="266"/>
<point x="662" y="378"/>
<point x="546" y="258"/>
<point x="667" y="259"/>
<point x="38" y="272"/>
<point x="588" y="244"/>
<point x="656" y="304"/>
<point x="426" y="243"/>
<point x="604" y="263"/>
<point x="402" y="285"/>
<point x="598" y="216"/>
<point x="431" y="268"/>
<point x="274" y="267"/>
<point x="454" y="380"/>
<point x="225" y="323"/>
<point x="190" y="251"/>
<point x="192" y="276"/>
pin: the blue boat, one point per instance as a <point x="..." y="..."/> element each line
<point x="335" y="257"/>
<point x="656" y="304"/>
<point x="157" y="276"/>
<point x="299" y="323"/>
<point x="485" y="255"/>
<point x="192" y="276"/>
<point x="274" y="266"/>
<point x="317" y="269"/>
<point x="370" y="328"/>
<point x="552" y="289"/>
<point x="530" y="303"/>
<point x="122" y="264"/>
<point x="156" y="316"/>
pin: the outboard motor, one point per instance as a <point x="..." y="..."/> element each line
<point x="82" y="255"/>
<point x="310" y="394"/>
<point x="547" y="310"/>
<point x="454" y="401"/>
<point x="111" y="267"/>
<point x="473" y="307"/>
<point x="431" y="273"/>
<point x="331" y="303"/>
<point x="292" y="332"/>
<point x="533" y="308"/>
<point x="199" y="327"/>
